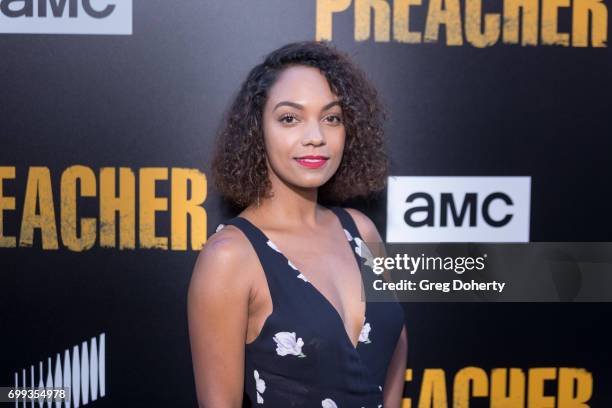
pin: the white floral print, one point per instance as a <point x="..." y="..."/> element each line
<point x="364" y="336"/>
<point x="380" y="388"/>
<point x="219" y="227"/>
<point x="300" y="276"/>
<point x="348" y="235"/>
<point x="286" y="343"/>
<point x="328" y="403"/>
<point x="260" y="386"/>
<point x="363" y="251"/>
<point x="273" y="246"/>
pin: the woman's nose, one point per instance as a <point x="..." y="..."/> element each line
<point x="313" y="134"/>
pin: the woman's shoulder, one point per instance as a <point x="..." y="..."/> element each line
<point x="226" y="253"/>
<point x="366" y="227"/>
<point x="227" y="241"/>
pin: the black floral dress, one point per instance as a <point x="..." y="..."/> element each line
<point x="303" y="356"/>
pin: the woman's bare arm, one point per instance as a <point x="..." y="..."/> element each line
<point x="393" y="390"/>
<point x="217" y="307"/>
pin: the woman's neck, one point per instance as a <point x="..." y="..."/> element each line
<point x="288" y="206"/>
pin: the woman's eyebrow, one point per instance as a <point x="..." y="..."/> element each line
<point x="301" y="107"/>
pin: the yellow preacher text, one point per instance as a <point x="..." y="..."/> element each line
<point x="503" y="388"/>
<point x="524" y="22"/>
<point x="118" y="199"/>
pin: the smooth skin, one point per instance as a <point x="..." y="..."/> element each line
<point x="229" y="299"/>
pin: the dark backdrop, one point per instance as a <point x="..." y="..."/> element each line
<point x="155" y="98"/>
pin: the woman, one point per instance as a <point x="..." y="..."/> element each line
<point x="275" y="307"/>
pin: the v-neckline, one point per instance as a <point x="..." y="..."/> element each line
<point x="316" y="290"/>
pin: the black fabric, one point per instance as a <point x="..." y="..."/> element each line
<point x="303" y="356"/>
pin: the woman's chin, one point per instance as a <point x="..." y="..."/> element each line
<point x="310" y="184"/>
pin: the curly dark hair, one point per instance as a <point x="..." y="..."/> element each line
<point x="239" y="168"/>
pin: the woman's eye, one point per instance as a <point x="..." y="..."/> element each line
<point x="334" y="119"/>
<point x="288" y="119"/>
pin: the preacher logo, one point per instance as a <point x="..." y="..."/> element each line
<point x="66" y="16"/>
<point x="458" y="209"/>
<point x="524" y="22"/>
<point x="120" y="197"/>
<point x="500" y="387"/>
<point x="82" y="370"/>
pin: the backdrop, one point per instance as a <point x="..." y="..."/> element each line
<point x="108" y="111"/>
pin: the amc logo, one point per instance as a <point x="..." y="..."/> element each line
<point x="66" y="16"/>
<point x="458" y="209"/>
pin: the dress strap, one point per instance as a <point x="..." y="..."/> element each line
<point x="346" y="220"/>
<point x="254" y="234"/>
<point x="272" y="265"/>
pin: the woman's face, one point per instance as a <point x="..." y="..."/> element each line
<point x="303" y="128"/>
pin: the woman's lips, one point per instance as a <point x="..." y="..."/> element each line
<point x="312" y="162"/>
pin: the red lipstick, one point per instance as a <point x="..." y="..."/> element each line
<point x="312" y="162"/>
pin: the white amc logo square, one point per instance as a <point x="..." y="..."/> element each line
<point x="66" y="17"/>
<point x="458" y="209"/>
